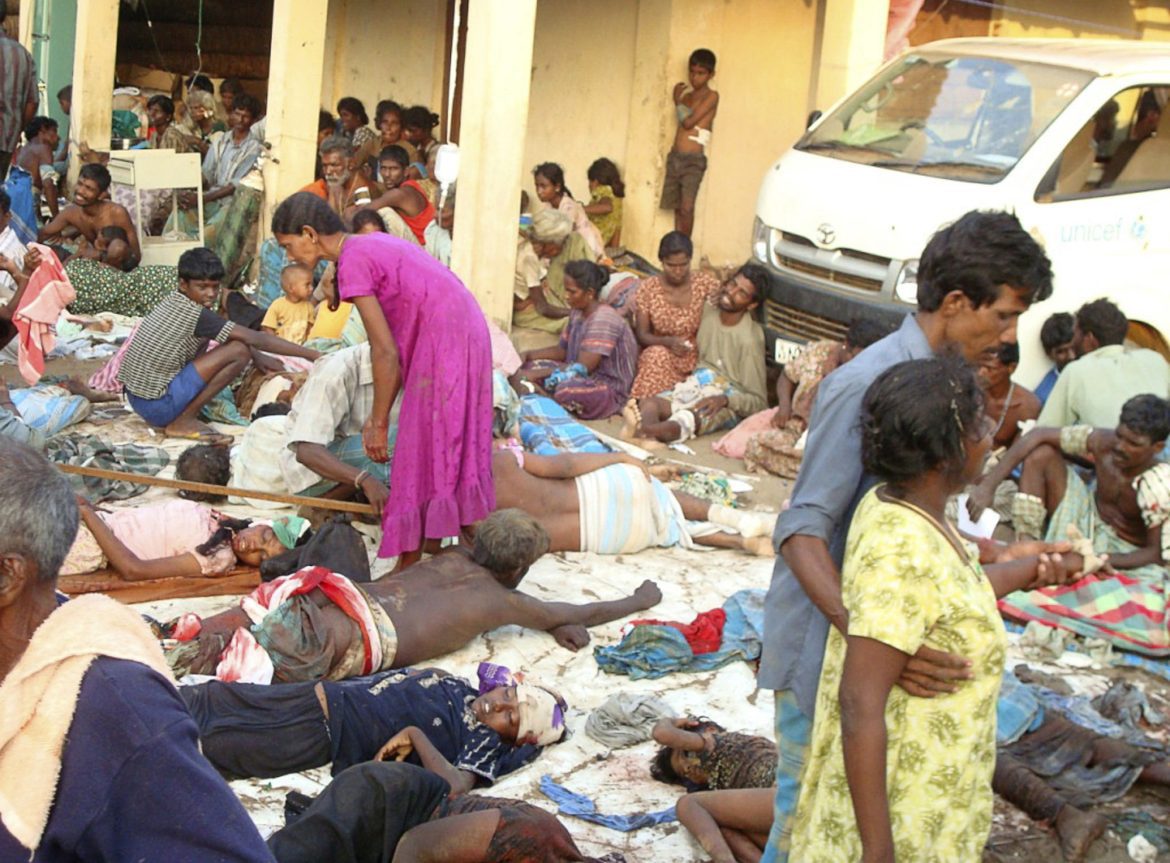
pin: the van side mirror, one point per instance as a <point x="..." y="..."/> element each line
<point x="812" y="118"/>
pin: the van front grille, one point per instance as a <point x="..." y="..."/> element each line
<point x="846" y="267"/>
<point x="829" y="275"/>
<point x="797" y="324"/>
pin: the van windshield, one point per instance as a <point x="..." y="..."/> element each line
<point x="963" y="118"/>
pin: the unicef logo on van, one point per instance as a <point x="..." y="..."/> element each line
<point x="826" y="234"/>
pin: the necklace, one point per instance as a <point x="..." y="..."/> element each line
<point x="942" y="527"/>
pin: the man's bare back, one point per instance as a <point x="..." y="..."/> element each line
<point x="552" y="502"/>
<point x="32" y="156"/>
<point x="440" y="604"/>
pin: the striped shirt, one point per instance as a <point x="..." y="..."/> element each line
<point x="227" y="162"/>
<point x="334" y="402"/>
<point x="18" y="87"/>
<point x="170" y="337"/>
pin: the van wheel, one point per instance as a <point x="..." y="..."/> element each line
<point x="1143" y="335"/>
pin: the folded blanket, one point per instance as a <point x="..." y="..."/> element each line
<point x="39" y="697"/>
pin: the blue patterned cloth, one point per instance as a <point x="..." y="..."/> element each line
<point x="546" y="428"/>
<point x="650" y="650"/>
<point x="1018" y="710"/>
<point x="50" y="409"/>
<point x="19" y="187"/>
<point x="579" y="806"/>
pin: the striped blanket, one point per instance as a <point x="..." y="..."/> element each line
<point x="1130" y="610"/>
<point x="621" y="512"/>
<point x="546" y="428"/>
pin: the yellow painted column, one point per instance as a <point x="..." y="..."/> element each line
<point x="852" y="42"/>
<point x="493" y="123"/>
<point x="296" y="64"/>
<point x="1153" y="19"/>
<point x="94" y="53"/>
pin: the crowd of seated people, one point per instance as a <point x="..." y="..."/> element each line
<point x="356" y="283"/>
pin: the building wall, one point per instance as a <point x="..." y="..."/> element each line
<point x="1071" y="18"/>
<point x="1057" y="19"/>
<point x="582" y="78"/>
<point x="384" y="49"/>
<point x="602" y="79"/>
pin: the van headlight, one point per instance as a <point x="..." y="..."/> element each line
<point x="906" y="287"/>
<point x="760" y="240"/>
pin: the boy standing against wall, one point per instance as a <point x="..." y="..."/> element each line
<point x="687" y="160"/>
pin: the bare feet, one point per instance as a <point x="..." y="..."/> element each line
<point x="631" y="419"/>
<point x="1077" y="830"/>
<point x="632" y="425"/>
<point x="198" y="431"/>
<point x="80" y="388"/>
<point x="666" y="471"/>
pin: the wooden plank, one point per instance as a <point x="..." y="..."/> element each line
<point x="241" y="580"/>
<point x="209" y="488"/>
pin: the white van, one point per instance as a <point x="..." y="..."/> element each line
<point x="1069" y="134"/>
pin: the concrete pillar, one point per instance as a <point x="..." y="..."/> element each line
<point x="494" y="121"/>
<point x="94" y="53"/>
<point x="297" y="58"/>
<point x="851" y="45"/>
<point x="25" y="24"/>
<point x="1153" y="20"/>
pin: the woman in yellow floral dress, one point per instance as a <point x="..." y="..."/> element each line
<point x="891" y="777"/>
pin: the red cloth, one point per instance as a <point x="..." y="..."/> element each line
<point x="704" y="634"/>
<point x="48" y="293"/>
<point x="418" y="223"/>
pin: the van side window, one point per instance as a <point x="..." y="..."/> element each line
<point x="1124" y="148"/>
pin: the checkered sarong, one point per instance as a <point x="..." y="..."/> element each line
<point x="1129" y="610"/>
<point x="92" y="451"/>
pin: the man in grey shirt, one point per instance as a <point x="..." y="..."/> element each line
<point x="975" y="278"/>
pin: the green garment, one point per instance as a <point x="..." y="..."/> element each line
<point x="1091" y="390"/>
<point x="102" y="288"/>
<point x="574" y="249"/>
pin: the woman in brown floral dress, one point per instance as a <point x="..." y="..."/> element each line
<point x="670" y="307"/>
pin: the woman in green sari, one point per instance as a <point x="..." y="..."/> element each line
<point x="556" y="243"/>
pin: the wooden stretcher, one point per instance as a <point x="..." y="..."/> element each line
<point x="239" y="581"/>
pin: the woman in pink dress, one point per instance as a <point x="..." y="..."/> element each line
<point x="428" y="338"/>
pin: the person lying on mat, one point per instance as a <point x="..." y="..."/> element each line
<point x="176" y="538"/>
<point x="317" y="625"/>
